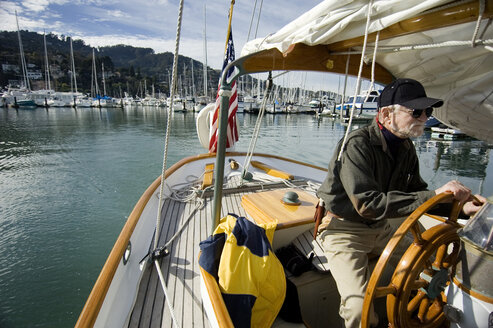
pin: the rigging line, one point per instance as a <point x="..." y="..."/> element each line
<point x="358" y="81"/>
<point x="163" y="284"/>
<point x="168" y="123"/>
<point x="258" y="17"/>
<point x="392" y="49"/>
<point x="251" y="20"/>
<point x="256" y="130"/>
<point x="280" y="74"/>
<point x="478" y="22"/>
<point x="165" y="156"/>
<point x="345" y="85"/>
<point x="372" y="83"/>
<point x="185" y="222"/>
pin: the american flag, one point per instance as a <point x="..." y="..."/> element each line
<point x="232" y="135"/>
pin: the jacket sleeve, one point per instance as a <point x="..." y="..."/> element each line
<point x="370" y="198"/>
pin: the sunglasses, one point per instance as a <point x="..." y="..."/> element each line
<point x="416" y="113"/>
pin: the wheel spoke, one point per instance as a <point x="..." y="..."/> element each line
<point x="384" y="291"/>
<point x="435" y="309"/>
<point x="423" y="309"/>
<point x="418" y="239"/>
<point x="419" y="284"/>
<point x="437" y="264"/>
<point x="415" y="301"/>
<point x="451" y="258"/>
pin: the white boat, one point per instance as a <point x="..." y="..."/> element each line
<point x="189" y="210"/>
<point x="365" y="105"/>
<point x="82" y="101"/>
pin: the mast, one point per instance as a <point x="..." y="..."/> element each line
<point x="47" y="66"/>
<point x="104" y="82"/>
<point x="205" y="54"/>
<point x="94" y="79"/>
<point x="221" y="140"/>
<point x="23" y="59"/>
<point x="73" y="65"/>
<point x="193" y="81"/>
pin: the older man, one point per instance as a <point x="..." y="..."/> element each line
<point x="377" y="178"/>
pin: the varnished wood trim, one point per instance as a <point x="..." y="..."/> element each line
<point x="462" y="13"/>
<point x="474" y="294"/>
<point x="89" y="313"/>
<point x="302" y="57"/>
<point x="272" y="171"/>
<point x="208" y="175"/>
<point x="218" y="305"/>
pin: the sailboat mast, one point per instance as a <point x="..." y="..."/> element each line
<point x="205" y="54"/>
<point x="94" y="79"/>
<point x="193" y="80"/>
<point x="47" y="66"/>
<point x="104" y="82"/>
<point x="73" y="64"/>
<point x="23" y="59"/>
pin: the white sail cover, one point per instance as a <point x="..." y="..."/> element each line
<point x="457" y="72"/>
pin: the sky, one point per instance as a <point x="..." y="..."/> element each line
<point x="153" y="24"/>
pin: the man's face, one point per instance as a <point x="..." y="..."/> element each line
<point x="404" y="125"/>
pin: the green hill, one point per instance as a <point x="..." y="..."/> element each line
<point x="126" y="68"/>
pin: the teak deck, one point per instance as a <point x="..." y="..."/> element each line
<point x="180" y="268"/>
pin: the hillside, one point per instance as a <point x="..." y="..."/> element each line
<point x="126" y="68"/>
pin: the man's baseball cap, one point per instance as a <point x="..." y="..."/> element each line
<point x="407" y="92"/>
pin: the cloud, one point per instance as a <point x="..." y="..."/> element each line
<point x="192" y="48"/>
<point x="41" y="5"/>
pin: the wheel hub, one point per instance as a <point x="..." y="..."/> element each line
<point x="436" y="283"/>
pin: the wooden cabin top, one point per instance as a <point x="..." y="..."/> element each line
<point x="268" y="206"/>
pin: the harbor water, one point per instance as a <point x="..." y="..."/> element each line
<point x="69" y="178"/>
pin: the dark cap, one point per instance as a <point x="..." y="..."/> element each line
<point x="407" y="92"/>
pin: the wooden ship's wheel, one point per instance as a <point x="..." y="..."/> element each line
<point x="415" y="294"/>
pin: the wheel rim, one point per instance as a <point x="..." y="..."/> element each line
<point x="403" y="291"/>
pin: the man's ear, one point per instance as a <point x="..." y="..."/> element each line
<point x="384" y="114"/>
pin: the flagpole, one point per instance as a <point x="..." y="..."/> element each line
<point x="225" y="94"/>
<point x="229" y="24"/>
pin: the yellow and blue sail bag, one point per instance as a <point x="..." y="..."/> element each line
<point x="251" y="278"/>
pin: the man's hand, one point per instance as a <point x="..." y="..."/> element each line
<point x="461" y="192"/>
<point x="473" y="205"/>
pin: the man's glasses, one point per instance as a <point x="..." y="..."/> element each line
<point x="416" y="113"/>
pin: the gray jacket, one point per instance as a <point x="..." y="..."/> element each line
<point x="368" y="184"/>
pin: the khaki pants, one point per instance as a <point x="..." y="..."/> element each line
<point x="347" y="245"/>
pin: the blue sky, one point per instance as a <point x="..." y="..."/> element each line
<point x="152" y="23"/>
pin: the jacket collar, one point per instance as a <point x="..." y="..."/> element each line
<point x="377" y="138"/>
